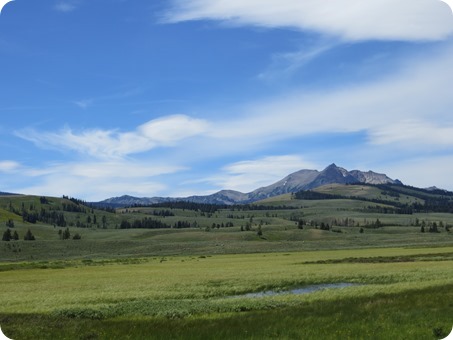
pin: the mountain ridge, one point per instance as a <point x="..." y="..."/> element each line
<point x="300" y="180"/>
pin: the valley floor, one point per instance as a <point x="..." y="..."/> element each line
<point x="186" y="274"/>
<point x="401" y="293"/>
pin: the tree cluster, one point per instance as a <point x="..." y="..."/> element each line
<point x="149" y="223"/>
<point x="252" y="207"/>
<point x="222" y="225"/>
<point x="163" y="213"/>
<point x="184" y="205"/>
<point x="71" y="207"/>
<point x="9" y="236"/>
<point x="66" y="235"/>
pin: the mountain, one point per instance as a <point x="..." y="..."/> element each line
<point x="7" y="193"/>
<point x="311" y="179"/>
<point x="126" y="200"/>
<point x="300" y="180"/>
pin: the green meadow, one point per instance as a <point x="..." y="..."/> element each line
<point x="192" y="282"/>
<point x="399" y="293"/>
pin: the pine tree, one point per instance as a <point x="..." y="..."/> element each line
<point x="15" y="236"/>
<point x="7" y="235"/>
<point x="66" y="234"/>
<point x="300" y="225"/>
<point x="29" y="236"/>
<point x="260" y="231"/>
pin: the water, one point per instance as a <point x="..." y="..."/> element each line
<point x="299" y="291"/>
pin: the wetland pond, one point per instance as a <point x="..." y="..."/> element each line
<point x="298" y="291"/>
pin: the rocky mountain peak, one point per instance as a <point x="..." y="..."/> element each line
<point x="299" y="180"/>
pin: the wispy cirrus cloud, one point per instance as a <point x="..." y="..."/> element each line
<point x="65" y="6"/>
<point x="387" y="110"/>
<point x="98" y="143"/>
<point x="94" y="180"/>
<point x="7" y="166"/>
<point x="84" y="103"/>
<point x="414" y="134"/>
<point x="350" y="20"/>
<point x="285" y="65"/>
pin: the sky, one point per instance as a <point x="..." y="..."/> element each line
<point x="103" y="98"/>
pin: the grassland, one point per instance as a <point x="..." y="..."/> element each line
<point x="407" y="293"/>
<point x="189" y="283"/>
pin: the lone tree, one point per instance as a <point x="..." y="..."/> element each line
<point x="66" y="234"/>
<point x="260" y="231"/>
<point x="29" y="236"/>
<point x="7" y="235"/>
<point x="300" y="224"/>
<point x="15" y="236"/>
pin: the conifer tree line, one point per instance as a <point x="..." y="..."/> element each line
<point x="149" y="223"/>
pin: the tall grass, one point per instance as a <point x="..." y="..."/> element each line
<point x="206" y="282"/>
<point x="417" y="314"/>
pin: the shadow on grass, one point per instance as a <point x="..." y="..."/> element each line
<point x="418" y="314"/>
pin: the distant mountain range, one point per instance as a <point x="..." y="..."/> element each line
<point x="300" y="180"/>
<point x="7" y="193"/>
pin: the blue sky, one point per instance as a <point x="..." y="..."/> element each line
<point x="172" y="98"/>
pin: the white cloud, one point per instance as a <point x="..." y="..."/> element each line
<point x="96" y="180"/>
<point x="108" y="97"/>
<point x="403" y="111"/>
<point x="418" y="98"/>
<point x="120" y="169"/>
<point x="9" y="166"/>
<point x="84" y="103"/>
<point x="65" y="7"/>
<point x="348" y="19"/>
<point x="92" y="191"/>
<point x="273" y="166"/>
<point x="286" y="64"/>
<point x="249" y="175"/>
<point x="166" y="131"/>
<point x="414" y="134"/>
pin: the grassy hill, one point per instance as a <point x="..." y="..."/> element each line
<point x="347" y="216"/>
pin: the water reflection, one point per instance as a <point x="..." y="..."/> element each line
<point x="300" y="291"/>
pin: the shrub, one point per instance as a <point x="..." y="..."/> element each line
<point x="80" y="313"/>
